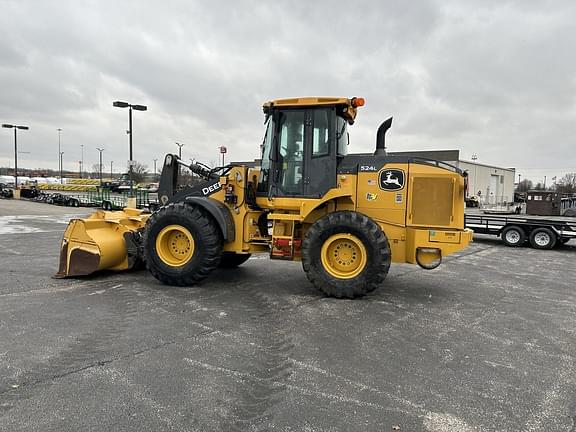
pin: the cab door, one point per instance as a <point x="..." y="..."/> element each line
<point x="300" y="161"/>
<point x="320" y="152"/>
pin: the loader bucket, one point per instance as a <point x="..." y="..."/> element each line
<point x="107" y="240"/>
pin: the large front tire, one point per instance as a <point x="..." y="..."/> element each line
<point x="346" y="255"/>
<point x="182" y="244"/>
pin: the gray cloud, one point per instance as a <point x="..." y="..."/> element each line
<point x="493" y="78"/>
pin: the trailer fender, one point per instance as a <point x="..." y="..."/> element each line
<point x="219" y="212"/>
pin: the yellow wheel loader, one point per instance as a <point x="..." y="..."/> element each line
<point x="345" y="216"/>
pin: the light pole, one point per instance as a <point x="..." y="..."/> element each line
<point x="155" y="168"/>
<point x="100" y="166"/>
<point x="111" y="170"/>
<point x="82" y="163"/>
<point x="474" y="158"/>
<point x="120" y="104"/>
<point x="15" y="127"/>
<point x="61" y="166"/>
<point x="59" y="154"/>
<point x="179" y="150"/>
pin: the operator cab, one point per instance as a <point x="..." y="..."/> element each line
<point x="304" y="139"/>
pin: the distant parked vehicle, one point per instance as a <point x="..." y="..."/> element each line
<point x="472" y="201"/>
<point x="29" y="192"/>
<point x="58" y="199"/>
<point x="5" y="191"/>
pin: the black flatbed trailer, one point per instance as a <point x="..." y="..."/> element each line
<point x="541" y="232"/>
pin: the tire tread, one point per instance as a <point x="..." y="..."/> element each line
<point x="367" y="231"/>
<point x="209" y="245"/>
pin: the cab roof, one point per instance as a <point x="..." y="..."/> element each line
<point x="308" y="101"/>
<point x="348" y="105"/>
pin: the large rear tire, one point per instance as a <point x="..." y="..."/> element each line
<point x="232" y="259"/>
<point x="346" y="255"/>
<point x="182" y="244"/>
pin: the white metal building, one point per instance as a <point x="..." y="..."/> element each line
<point x="491" y="184"/>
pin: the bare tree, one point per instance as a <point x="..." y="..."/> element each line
<point x="524" y="186"/>
<point x="186" y="177"/>
<point x="567" y="184"/>
<point x="139" y="171"/>
<point x="95" y="170"/>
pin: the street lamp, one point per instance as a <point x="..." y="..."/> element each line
<point x="100" y="166"/>
<point x="120" y="104"/>
<point x="111" y="170"/>
<point x="155" y="168"/>
<point x="179" y="150"/>
<point x="15" y="127"/>
<point x="59" y="154"/>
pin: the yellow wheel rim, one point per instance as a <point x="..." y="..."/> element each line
<point x="175" y="245"/>
<point x="343" y="256"/>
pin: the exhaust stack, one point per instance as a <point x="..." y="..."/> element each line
<point x="380" y="137"/>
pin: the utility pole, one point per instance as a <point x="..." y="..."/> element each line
<point x="155" y="168"/>
<point x="111" y="170"/>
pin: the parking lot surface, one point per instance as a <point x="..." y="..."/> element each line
<point x="486" y="342"/>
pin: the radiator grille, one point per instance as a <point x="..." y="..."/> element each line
<point x="432" y="200"/>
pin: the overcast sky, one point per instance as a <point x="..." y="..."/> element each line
<point x="495" y="78"/>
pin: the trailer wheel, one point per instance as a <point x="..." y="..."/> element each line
<point x="182" y="244"/>
<point x="542" y="238"/>
<point x="346" y="255"/>
<point x="513" y="236"/>
<point x="231" y="259"/>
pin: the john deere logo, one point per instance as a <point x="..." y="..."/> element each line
<point x="392" y="179"/>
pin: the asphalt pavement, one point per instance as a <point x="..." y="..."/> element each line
<point x="486" y="342"/>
